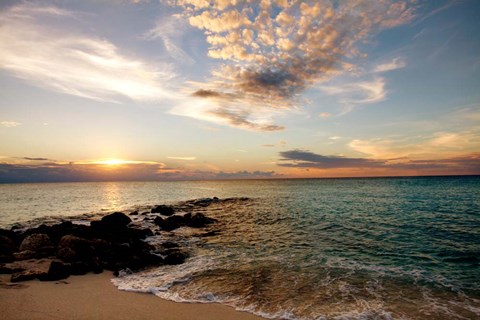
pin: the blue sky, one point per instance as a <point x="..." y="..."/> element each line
<point x="195" y="89"/>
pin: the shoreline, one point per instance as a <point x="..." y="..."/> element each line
<point x="93" y="296"/>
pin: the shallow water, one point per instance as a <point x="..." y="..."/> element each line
<point x="401" y="248"/>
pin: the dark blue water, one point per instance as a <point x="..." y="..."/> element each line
<point x="377" y="248"/>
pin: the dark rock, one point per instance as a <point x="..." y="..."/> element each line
<point x="145" y="213"/>
<point x="198" y="220"/>
<point x="7" y="248"/>
<point x="36" y="242"/>
<point x="164" y="210"/>
<point x="67" y="254"/>
<point x="139" y="233"/>
<point x="96" y="266"/>
<point x="79" y="268"/>
<point x="175" y="257"/>
<point x="116" y="219"/>
<point x="57" y="271"/>
<point x="134" y="213"/>
<point x="170" y="223"/>
<point x="7" y="233"/>
<point x="72" y="248"/>
<point x="169" y="245"/>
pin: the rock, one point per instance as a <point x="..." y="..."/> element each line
<point x="36" y="242"/>
<point x="198" y="220"/>
<point x="163" y="210"/>
<point x="9" y="269"/>
<point x="28" y="269"/>
<point x="67" y="254"/>
<point x="169" y="245"/>
<point x="139" y="233"/>
<point x="170" y="223"/>
<point x="79" y="268"/>
<point x="7" y="248"/>
<point x="175" y="257"/>
<point x="116" y="220"/>
<point x="25" y="255"/>
<point x="57" y="271"/>
<point x="134" y="213"/>
<point x="112" y="227"/>
<point x="26" y="276"/>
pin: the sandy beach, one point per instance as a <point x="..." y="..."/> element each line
<point x="93" y="296"/>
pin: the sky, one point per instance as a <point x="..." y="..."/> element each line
<point x="101" y="90"/>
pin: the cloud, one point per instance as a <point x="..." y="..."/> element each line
<point x="394" y="64"/>
<point x="170" y="31"/>
<point x="274" y="50"/>
<point x="357" y="93"/>
<point x="183" y="158"/>
<point x="10" y="124"/>
<point x="307" y="159"/>
<point x="129" y="171"/>
<point x="437" y="145"/>
<point x="234" y="114"/>
<point x="71" y="172"/>
<point x="43" y="46"/>
<point x="325" y="115"/>
<point x="36" y="159"/>
<point x="465" y="164"/>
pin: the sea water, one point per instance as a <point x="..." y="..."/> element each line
<point x="376" y="248"/>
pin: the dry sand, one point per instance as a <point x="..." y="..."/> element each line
<point x="95" y="297"/>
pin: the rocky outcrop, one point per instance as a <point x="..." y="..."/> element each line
<point x="195" y="220"/>
<point x="54" y="252"/>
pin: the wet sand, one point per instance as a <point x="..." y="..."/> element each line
<point x="93" y="296"/>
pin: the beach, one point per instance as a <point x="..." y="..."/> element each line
<point x="93" y="296"/>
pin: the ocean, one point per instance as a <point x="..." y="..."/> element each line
<point x="360" y="248"/>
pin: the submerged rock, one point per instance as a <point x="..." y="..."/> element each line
<point x="196" y="220"/>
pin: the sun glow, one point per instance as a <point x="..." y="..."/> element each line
<point x="114" y="162"/>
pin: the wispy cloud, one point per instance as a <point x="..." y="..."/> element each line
<point x="10" y="124"/>
<point x="394" y="64"/>
<point x="465" y="164"/>
<point x="183" y="158"/>
<point x="169" y="31"/>
<point x="357" y="93"/>
<point x="273" y="51"/>
<point x="43" y="46"/>
<point x="437" y="145"/>
<point x="36" y="159"/>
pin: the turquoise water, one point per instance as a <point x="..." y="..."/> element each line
<point x="379" y="248"/>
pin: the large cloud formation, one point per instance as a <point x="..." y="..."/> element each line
<point x="275" y="49"/>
